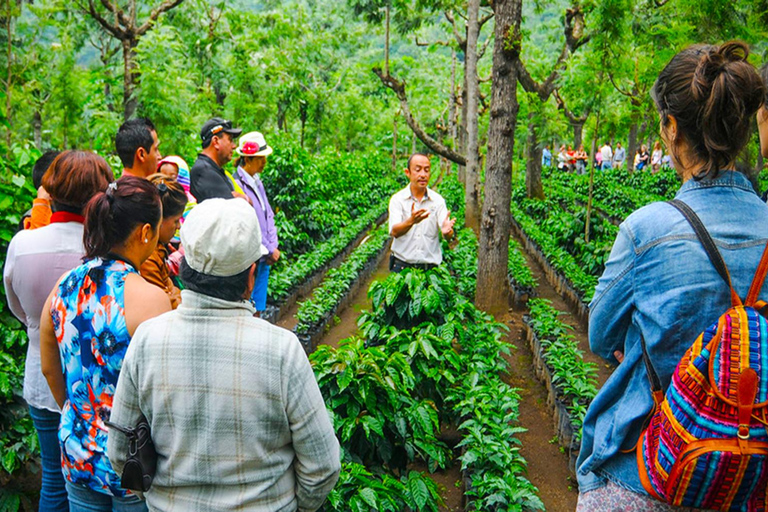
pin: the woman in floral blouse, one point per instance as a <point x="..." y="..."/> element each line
<point x="87" y="323"/>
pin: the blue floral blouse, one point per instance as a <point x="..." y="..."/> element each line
<point x="88" y="313"/>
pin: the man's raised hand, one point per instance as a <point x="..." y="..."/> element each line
<point x="418" y="215"/>
<point x="447" y="227"/>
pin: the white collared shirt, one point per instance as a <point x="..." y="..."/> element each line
<point x="421" y="244"/>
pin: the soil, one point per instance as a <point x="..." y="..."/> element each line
<point x="546" y="291"/>
<point x="345" y="323"/>
<point x="547" y="464"/>
<point x="449" y="479"/>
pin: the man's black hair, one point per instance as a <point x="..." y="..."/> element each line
<point x="229" y="288"/>
<point x="408" y="165"/>
<point x="132" y="135"/>
<point x="42" y="165"/>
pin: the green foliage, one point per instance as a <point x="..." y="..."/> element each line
<point x="18" y="440"/>
<point x="360" y="490"/>
<point x="284" y="279"/>
<point x="327" y="296"/>
<point x="316" y="196"/>
<point x="376" y="419"/>
<point x="519" y="272"/>
<point x="575" y="379"/>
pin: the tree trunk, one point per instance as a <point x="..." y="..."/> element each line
<point x="533" y="186"/>
<point x="282" y="110"/>
<point x="386" y="42"/>
<point x="9" y="77"/>
<point x="130" y="78"/>
<point x="594" y="139"/>
<point x="452" y="110"/>
<point x="37" y="125"/>
<point x="394" y="143"/>
<point x="632" y="145"/>
<point x="303" y="118"/>
<point x="578" y="134"/>
<point x="463" y="124"/>
<point x="492" y="292"/>
<point x="473" y="150"/>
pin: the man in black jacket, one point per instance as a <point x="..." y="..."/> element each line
<point x="207" y="178"/>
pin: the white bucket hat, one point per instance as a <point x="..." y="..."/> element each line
<point x="253" y="144"/>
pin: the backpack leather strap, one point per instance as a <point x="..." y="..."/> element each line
<point x="757" y="282"/>
<point x="709" y="245"/>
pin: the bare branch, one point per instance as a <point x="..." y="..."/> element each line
<point x="91" y="10"/>
<point x="119" y="15"/>
<point x="398" y="87"/>
<point x="481" y="53"/>
<point x="485" y="19"/>
<point x="461" y="41"/>
<point x="156" y="12"/>
<point x="573" y="118"/>
<point x="426" y="43"/>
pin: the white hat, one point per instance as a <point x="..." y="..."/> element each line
<point x="222" y="237"/>
<point x="253" y="144"/>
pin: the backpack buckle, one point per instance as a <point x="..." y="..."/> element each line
<point x="743" y="432"/>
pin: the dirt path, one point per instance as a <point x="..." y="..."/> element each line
<point x="547" y="465"/>
<point x="546" y="291"/>
<point x="347" y="324"/>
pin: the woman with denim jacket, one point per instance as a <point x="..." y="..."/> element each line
<point x="658" y="281"/>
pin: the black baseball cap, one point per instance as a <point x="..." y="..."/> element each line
<point x="217" y="125"/>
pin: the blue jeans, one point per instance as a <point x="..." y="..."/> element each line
<point x="606" y="166"/>
<point x="259" y="295"/>
<point x="53" y="495"/>
<point x="83" y="499"/>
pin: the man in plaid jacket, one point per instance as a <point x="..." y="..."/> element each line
<point x="235" y="412"/>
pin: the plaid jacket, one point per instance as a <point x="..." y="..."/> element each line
<point x="236" y="414"/>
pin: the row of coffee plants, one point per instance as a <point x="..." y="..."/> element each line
<point x="286" y="279"/>
<point x="539" y="239"/>
<point x="520" y="276"/>
<point x="316" y="310"/>
<point x="615" y="193"/>
<point x="455" y="353"/>
<point x="19" y="451"/>
<point x="316" y="195"/>
<point x="574" y="379"/>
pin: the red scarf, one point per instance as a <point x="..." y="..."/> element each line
<point x="67" y="217"/>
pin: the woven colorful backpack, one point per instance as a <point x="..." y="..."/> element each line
<point x="706" y="445"/>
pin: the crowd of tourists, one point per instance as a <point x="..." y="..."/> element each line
<point x="142" y="298"/>
<point x="606" y="157"/>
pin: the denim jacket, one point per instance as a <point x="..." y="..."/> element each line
<point x="659" y="282"/>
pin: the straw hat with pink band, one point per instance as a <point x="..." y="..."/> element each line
<point x="253" y="144"/>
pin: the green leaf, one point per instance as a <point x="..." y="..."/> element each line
<point x="418" y="490"/>
<point x="369" y="496"/>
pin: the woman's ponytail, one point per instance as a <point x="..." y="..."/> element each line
<point x="111" y="216"/>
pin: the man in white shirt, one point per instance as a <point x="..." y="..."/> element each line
<point x="418" y="218"/>
<point x="607" y="156"/>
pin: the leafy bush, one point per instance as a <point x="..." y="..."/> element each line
<point x="359" y="490"/>
<point x="18" y="440"/>
<point x="316" y="196"/>
<point x="519" y="272"/>
<point x="287" y="277"/>
<point x="376" y="419"/>
<point x="575" y="378"/>
<point x="327" y="296"/>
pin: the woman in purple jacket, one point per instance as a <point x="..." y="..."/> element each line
<point x="253" y="151"/>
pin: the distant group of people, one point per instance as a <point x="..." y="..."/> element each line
<point x="95" y="275"/>
<point x="605" y="158"/>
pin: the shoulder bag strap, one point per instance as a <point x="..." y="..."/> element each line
<point x="708" y="244"/>
<point x="757" y="282"/>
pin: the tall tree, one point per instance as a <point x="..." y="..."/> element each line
<point x="473" y="150"/>
<point x="124" y="26"/>
<point x="574" y="38"/>
<point x="492" y="293"/>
